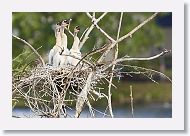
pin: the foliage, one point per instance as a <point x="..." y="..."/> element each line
<point x="37" y="28"/>
<point x="22" y="62"/>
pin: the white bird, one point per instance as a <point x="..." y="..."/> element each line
<point x="55" y="56"/>
<point x="75" y="51"/>
<point x="64" y="54"/>
<point x="57" y="47"/>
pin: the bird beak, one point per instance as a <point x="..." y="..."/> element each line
<point x="77" y="28"/>
<point x="68" y="21"/>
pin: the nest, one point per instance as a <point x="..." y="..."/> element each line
<point x="49" y="92"/>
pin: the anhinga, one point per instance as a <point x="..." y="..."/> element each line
<point x="65" y="52"/>
<point x="75" y="51"/>
<point x="57" y="47"/>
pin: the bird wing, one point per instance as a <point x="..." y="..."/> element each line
<point x="51" y="54"/>
<point x="56" y="60"/>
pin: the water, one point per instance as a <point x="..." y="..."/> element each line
<point x="140" y="111"/>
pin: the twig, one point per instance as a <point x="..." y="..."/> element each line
<point x="30" y="46"/>
<point x="147" y="69"/>
<point x="109" y="96"/>
<point x="94" y="14"/>
<point x="99" y="28"/>
<point x="89" y="30"/>
<point x="113" y="67"/>
<point x="119" y="27"/>
<point x="131" y="97"/>
<point x="103" y="113"/>
<point x="147" y="58"/>
<point x="100" y="95"/>
<point x="137" y="28"/>
<point x="88" y="14"/>
<point x="82" y="97"/>
<point x="84" y="33"/>
<point x="90" y="109"/>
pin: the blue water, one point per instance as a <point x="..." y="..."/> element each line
<point x="140" y="111"/>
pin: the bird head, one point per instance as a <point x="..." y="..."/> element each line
<point x="58" y="25"/>
<point x="66" y="22"/>
<point x="76" y="29"/>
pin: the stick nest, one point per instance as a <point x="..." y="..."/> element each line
<point x="49" y="92"/>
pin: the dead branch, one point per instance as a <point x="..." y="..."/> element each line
<point x="31" y="47"/>
<point x="126" y="36"/>
<point x="99" y="28"/>
<point x="131" y="97"/>
<point x="148" y="71"/>
<point x="89" y="30"/>
<point x="143" y="59"/>
<point x="137" y="28"/>
<point x="82" y="98"/>
<point x="113" y="67"/>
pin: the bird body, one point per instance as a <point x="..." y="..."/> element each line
<point x="53" y="54"/>
<point x="64" y="55"/>
<point x="56" y="59"/>
<point x="64" y="58"/>
<point x="75" y="51"/>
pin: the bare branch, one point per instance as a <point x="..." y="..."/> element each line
<point x="143" y="59"/>
<point x="82" y="97"/>
<point x="94" y="14"/>
<point x="83" y="33"/>
<point x="119" y="27"/>
<point x="99" y="28"/>
<point x="113" y="67"/>
<point x="90" y="29"/>
<point x="146" y="69"/>
<point x="88" y="14"/>
<point x="131" y="97"/>
<point x="90" y="109"/>
<point x="137" y="28"/>
<point x="100" y="18"/>
<point x="125" y="36"/>
<point x="31" y="47"/>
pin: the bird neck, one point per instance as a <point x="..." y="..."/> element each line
<point x="58" y="39"/>
<point x="76" y="42"/>
<point x="75" y="34"/>
<point x="64" y="40"/>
